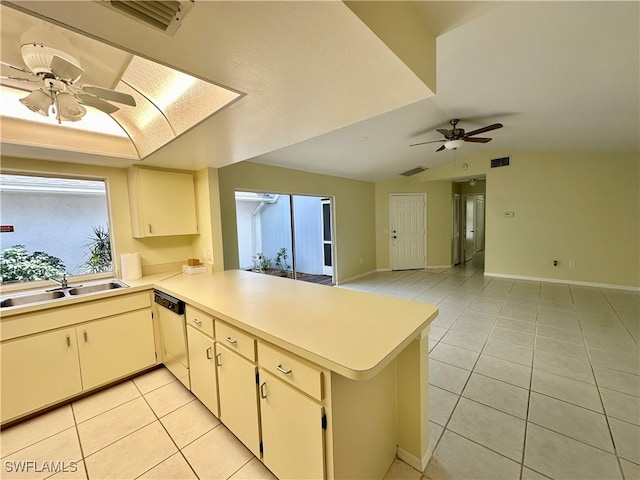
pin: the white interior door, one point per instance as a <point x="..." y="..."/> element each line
<point x="327" y="238"/>
<point x="479" y="224"/>
<point x="469" y="229"/>
<point x="408" y="232"/>
<point x="456" y="228"/>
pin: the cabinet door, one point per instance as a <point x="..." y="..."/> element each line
<point x="202" y="369"/>
<point x="292" y="432"/>
<point x="38" y="371"/>
<point x="115" y="347"/>
<point x="165" y="203"/>
<point x="238" y="397"/>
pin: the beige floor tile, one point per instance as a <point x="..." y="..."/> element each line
<point x="168" y="398"/>
<point x="575" y="422"/>
<point x="619" y="381"/>
<point x="621" y="406"/>
<point x="513" y="373"/>
<point x="516" y="325"/>
<point x="473" y="327"/>
<point x="459" y="458"/>
<point x="156" y="378"/>
<point x="173" y="468"/>
<point x="189" y="422"/>
<point x="464" y="340"/>
<point x="631" y="470"/>
<point x="98" y="432"/>
<point x="508" y="351"/>
<point x="572" y="391"/>
<point x="31" y="431"/>
<point x="76" y="471"/>
<point x="253" y="470"/>
<point x="456" y="356"/>
<point x="624" y="359"/>
<point x="560" y="334"/>
<point x="561" y="348"/>
<point x="578" y="369"/>
<point x="401" y="471"/>
<point x="447" y="376"/>
<point x="441" y="405"/>
<point x="528" y="474"/>
<point x="435" y="432"/>
<point x="627" y="439"/>
<point x="104" y="400"/>
<point x="133" y="455"/>
<point x="48" y="456"/>
<point x="558" y="456"/>
<point x="491" y="428"/>
<point x="512" y="336"/>
<point x="217" y="454"/>
<point x="499" y="395"/>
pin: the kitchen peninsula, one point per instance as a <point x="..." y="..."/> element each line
<point x="349" y="369"/>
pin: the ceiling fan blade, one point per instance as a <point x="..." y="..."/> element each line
<point x="477" y="139"/>
<point x="111" y="95"/>
<point x="440" y="149"/>
<point x="19" y="69"/>
<point x="488" y="128"/>
<point x="445" y="132"/>
<point x="424" y="143"/>
<point x="64" y="69"/>
<point x="20" y="79"/>
<point x="98" y="103"/>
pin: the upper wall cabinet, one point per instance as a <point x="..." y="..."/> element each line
<point x="162" y="203"/>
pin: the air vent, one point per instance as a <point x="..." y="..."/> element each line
<point x="500" y="162"/>
<point x="166" y="16"/>
<point x="413" y="171"/>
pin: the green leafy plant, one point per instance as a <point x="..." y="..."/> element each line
<point x="98" y="256"/>
<point x="281" y="260"/>
<point x="16" y="264"/>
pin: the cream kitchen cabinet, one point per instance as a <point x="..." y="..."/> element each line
<point x="162" y="203"/>
<point x="237" y="389"/>
<point x="202" y="369"/>
<point x="115" y="347"/>
<point x="39" y="370"/>
<point x="51" y="355"/>
<point x="292" y="427"/>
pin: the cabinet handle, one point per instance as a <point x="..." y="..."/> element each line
<point x="196" y="321"/>
<point x="209" y="350"/>
<point x="219" y="359"/>
<point x="85" y="335"/>
<point x="232" y="341"/>
<point x="282" y="370"/>
<point x="263" y="393"/>
<point x="149" y="228"/>
<point x="68" y="341"/>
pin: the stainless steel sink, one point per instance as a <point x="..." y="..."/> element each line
<point x="49" y="295"/>
<point x="97" y="287"/>
<point x="31" y="298"/>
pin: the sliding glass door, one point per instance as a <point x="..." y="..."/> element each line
<point x="286" y="235"/>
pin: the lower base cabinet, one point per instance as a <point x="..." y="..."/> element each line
<point x="39" y="370"/>
<point x="239" y="397"/>
<point x="292" y="430"/>
<point x="202" y="369"/>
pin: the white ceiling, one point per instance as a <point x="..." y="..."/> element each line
<point x="324" y="94"/>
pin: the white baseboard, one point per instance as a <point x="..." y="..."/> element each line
<point x="565" y="281"/>
<point x="413" y="461"/>
<point x="440" y="266"/>
<point x="355" y="277"/>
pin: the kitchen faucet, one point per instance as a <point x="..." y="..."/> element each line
<point x="62" y="282"/>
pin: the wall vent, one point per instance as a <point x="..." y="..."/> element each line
<point x="414" y="171"/>
<point x="500" y="162"/>
<point x="166" y="16"/>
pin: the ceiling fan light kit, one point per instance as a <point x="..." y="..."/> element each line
<point x="38" y="101"/>
<point x="453" y="144"/>
<point x="455" y="137"/>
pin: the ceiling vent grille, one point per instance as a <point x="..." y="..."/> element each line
<point x="166" y="16"/>
<point x="414" y="171"/>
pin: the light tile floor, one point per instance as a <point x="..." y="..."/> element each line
<point x="528" y="380"/>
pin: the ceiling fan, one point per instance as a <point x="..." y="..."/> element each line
<point x="455" y="137"/>
<point x="57" y="72"/>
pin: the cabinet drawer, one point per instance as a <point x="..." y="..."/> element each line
<point x="236" y="340"/>
<point x="199" y="320"/>
<point x="294" y="370"/>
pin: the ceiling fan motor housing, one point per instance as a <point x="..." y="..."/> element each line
<point x="38" y="57"/>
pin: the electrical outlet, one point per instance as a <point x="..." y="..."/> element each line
<point x="555" y="263"/>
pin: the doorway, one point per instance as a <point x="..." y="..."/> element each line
<point x="468" y="227"/>
<point x="408" y="231"/>
<point x="286" y="235"/>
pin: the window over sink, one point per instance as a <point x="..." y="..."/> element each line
<point x="50" y="226"/>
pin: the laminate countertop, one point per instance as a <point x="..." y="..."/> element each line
<point x="352" y="333"/>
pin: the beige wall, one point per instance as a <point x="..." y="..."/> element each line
<point x="567" y="207"/>
<point x="156" y="253"/>
<point x="209" y="220"/>
<point x="439" y="218"/>
<point x="353" y="206"/>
